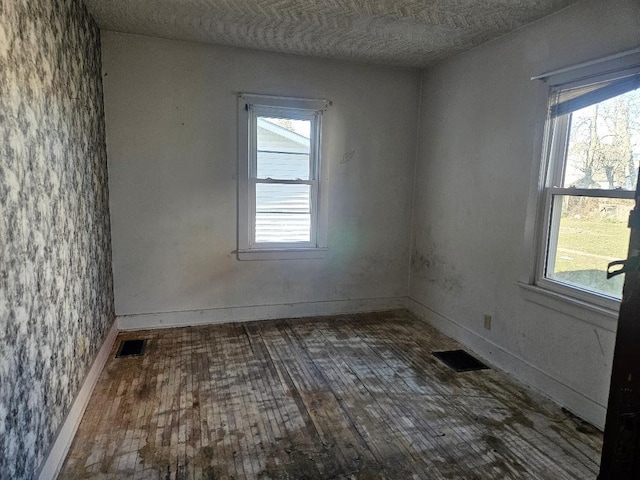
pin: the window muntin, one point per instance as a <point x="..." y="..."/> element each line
<point x="280" y="202"/>
<point x="594" y="153"/>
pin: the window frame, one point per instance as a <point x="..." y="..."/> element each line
<point x="551" y="193"/>
<point x="250" y="107"/>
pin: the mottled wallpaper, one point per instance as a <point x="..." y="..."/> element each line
<point x="56" y="293"/>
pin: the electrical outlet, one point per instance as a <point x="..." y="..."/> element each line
<point x="487" y="321"/>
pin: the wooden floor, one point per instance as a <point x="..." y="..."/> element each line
<point x="353" y="396"/>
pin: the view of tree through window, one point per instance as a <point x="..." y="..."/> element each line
<point x="603" y="153"/>
<point x="604" y="144"/>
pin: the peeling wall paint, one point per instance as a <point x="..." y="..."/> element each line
<point x="56" y="295"/>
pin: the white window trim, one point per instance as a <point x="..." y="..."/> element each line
<point x="249" y="107"/>
<point x="537" y="226"/>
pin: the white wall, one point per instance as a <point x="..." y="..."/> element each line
<point x="171" y="138"/>
<point x="478" y="160"/>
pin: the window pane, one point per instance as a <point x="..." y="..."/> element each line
<point x="590" y="233"/>
<point x="283" y="213"/>
<point x="604" y="144"/>
<point x="283" y="148"/>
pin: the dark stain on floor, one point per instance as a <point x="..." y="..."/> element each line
<point x="343" y="397"/>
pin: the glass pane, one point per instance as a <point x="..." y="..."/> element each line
<point x="283" y="148"/>
<point x="283" y="213"/>
<point x="604" y="144"/>
<point x="591" y="233"/>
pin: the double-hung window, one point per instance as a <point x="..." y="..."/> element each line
<point x="593" y="152"/>
<point x="282" y="191"/>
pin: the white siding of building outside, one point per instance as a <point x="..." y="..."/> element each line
<point x="283" y="211"/>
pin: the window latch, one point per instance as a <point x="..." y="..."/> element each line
<point x="632" y="264"/>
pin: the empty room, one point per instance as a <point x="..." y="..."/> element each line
<point x="342" y="239"/>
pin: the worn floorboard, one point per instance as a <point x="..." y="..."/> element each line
<point x="343" y="397"/>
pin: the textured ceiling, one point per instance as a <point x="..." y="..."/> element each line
<point x="412" y="33"/>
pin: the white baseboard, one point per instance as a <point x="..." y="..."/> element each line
<point x="53" y="463"/>
<point x="211" y="316"/>
<point x="523" y="371"/>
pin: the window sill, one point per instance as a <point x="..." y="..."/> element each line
<point x="596" y="315"/>
<point x="283" y="254"/>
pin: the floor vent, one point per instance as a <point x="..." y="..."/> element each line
<point x="131" y="348"/>
<point x="460" y="361"/>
